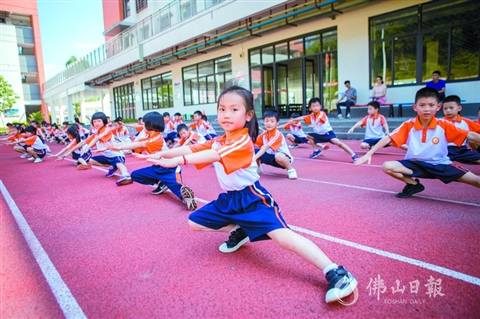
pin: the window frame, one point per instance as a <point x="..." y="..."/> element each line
<point x="194" y="82"/>
<point x="123" y="96"/>
<point x="154" y="80"/>
<point x="419" y="33"/>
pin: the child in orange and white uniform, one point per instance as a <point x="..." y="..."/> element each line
<point x="202" y="126"/>
<point x="187" y="137"/>
<point x="164" y="178"/>
<point x="120" y="131"/>
<point x="15" y="135"/>
<point x="34" y="145"/>
<point x="322" y="130"/>
<point x="82" y="158"/>
<point x="273" y="149"/>
<point x="40" y="134"/>
<point x="427" y="139"/>
<point x="246" y="209"/>
<point x="296" y="135"/>
<point x="451" y="110"/>
<point x="177" y="120"/>
<point x="374" y="124"/>
<point x="140" y="130"/>
<point x="114" y="159"/>
<point x="169" y="134"/>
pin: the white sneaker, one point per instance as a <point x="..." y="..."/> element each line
<point x="260" y="170"/>
<point x="348" y="116"/>
<point x="340" y="116"/>
<point x="292" y="174"/>
<point x="38" y="160"/>
<point x="24" y="155"/>
<point x="31" y="158"/>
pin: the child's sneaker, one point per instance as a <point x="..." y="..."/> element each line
<point x="111" y="171"/>
<point x="259" y="169"/>
<point x="293" y="145"/>
<point x="348" y="116"/>
<point x="316" y="153"/>
<point x="236" y="240"/>
<point x="340" y="116"/>
<point x="411" y="189"/>
<point x="188" y="197"/>
<point x="24" y="155"/>
<point x="340" y="284"/>
<point x="292" y="174"/>
<point x="161" y="188"/>
<point x="354" y="157"/>
<point x="124" y="180"/>
<point x="31" y="158"/>
<point x="37" y="160"/>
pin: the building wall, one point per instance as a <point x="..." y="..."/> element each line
<point x="112" y="13"/>
<point x="29" y="7"/>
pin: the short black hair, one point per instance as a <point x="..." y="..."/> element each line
<point x="181" y="127"/>
<point x="314" y="100"/>
<point x="294" y="115"/>
<point x="140" y="118"/>
<point x="100" y="116"/>
<point x="375" y="104"/>
<point x="118" y="119"/>
<point x="177" y="114"/>
<point x="166" y="114"/>
<point x="436" y="72"/>
<point x="198" y="113"/>
<point x="154" y="121"/>
<point x="9" y="124"/>
<point x="347" y="81"/>
<point x="271" y="113"/>
<point x="65" y="123"/>
<point x="426" y="92"/>
<point x="452" y="98"/>
<point x="31" y="129"/>
<point x="34" y="121"/>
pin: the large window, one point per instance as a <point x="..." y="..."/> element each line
<point x="124" y="101"/>
<point x="406" y="46"/>
<point x="157" y="91"/>
<point x="203" y="82"/>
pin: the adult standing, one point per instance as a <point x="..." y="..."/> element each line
<point x="351" y="98"/>
<point x="438" y="84"/>
<point x="379" y="92"/>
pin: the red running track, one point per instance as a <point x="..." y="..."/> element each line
<point x="123" y="252"/>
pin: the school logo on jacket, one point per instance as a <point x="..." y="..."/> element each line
<point x="435" y="140"/>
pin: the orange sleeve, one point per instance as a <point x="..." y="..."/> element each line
<point x="473" y="126"/>
<point x="72" y="145"/>
<point x="89" y="139"/>
<point x="29" y="141"/>
<point x="400" y="135"/>
<point x="182" y="141"/>
<point x="276" y="142"/>
<point x="308" y="119"/>
<point x="139" y="128"/>
<point x="288" y="126"/>
<point x="195" y="137"/>
<point x="364" y="121"/>
<point x="323" y="118"/>
<point x="383" y="120"/>
<point x="193" y="125"/>
<point x="237" y="155"/>
<point x="259" y="141"/>
<point x="154" y="145"/>
<point x="453" y="134"/>
<point x="11" y="138"/>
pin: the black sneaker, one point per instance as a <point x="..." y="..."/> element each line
<point x="236" y="240"/>
<point x="411" y="189"/>
<point x="161" y="188"/>
<point x="340" y="284"/>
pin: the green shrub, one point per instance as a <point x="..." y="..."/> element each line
<point x="3" y="130"/>
<point x="36" y="116"/>
<point x="129" y="120"/>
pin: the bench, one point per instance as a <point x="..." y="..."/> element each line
<point x="390" y="108"/>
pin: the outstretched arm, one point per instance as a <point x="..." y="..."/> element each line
<point x="359" y="123"/>
<point x="368" y="157"/>
<point x="262" y="151"/>
<point x="203" y="157"/>
<point x="171" y="153"/>
<point x="387" y="129"/>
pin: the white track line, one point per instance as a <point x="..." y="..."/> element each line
<point x="415" y="262"/>
<point x="62" y="294"/>
<point x="377" y="190"/>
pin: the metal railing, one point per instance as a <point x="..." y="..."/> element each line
<point x="165" y="18"/>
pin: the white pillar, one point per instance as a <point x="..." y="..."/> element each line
<point x="69" y="107"/>
<point x="53" y="111"/>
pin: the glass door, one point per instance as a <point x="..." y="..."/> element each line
<point x="311" y="81"/>
<point x="268" y="88"/>
<point x="282" y="89"/>
<point x="330" y="81"/>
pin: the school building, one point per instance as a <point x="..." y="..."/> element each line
<point x="21" y="60"/>
<point x="176" y="57"/>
